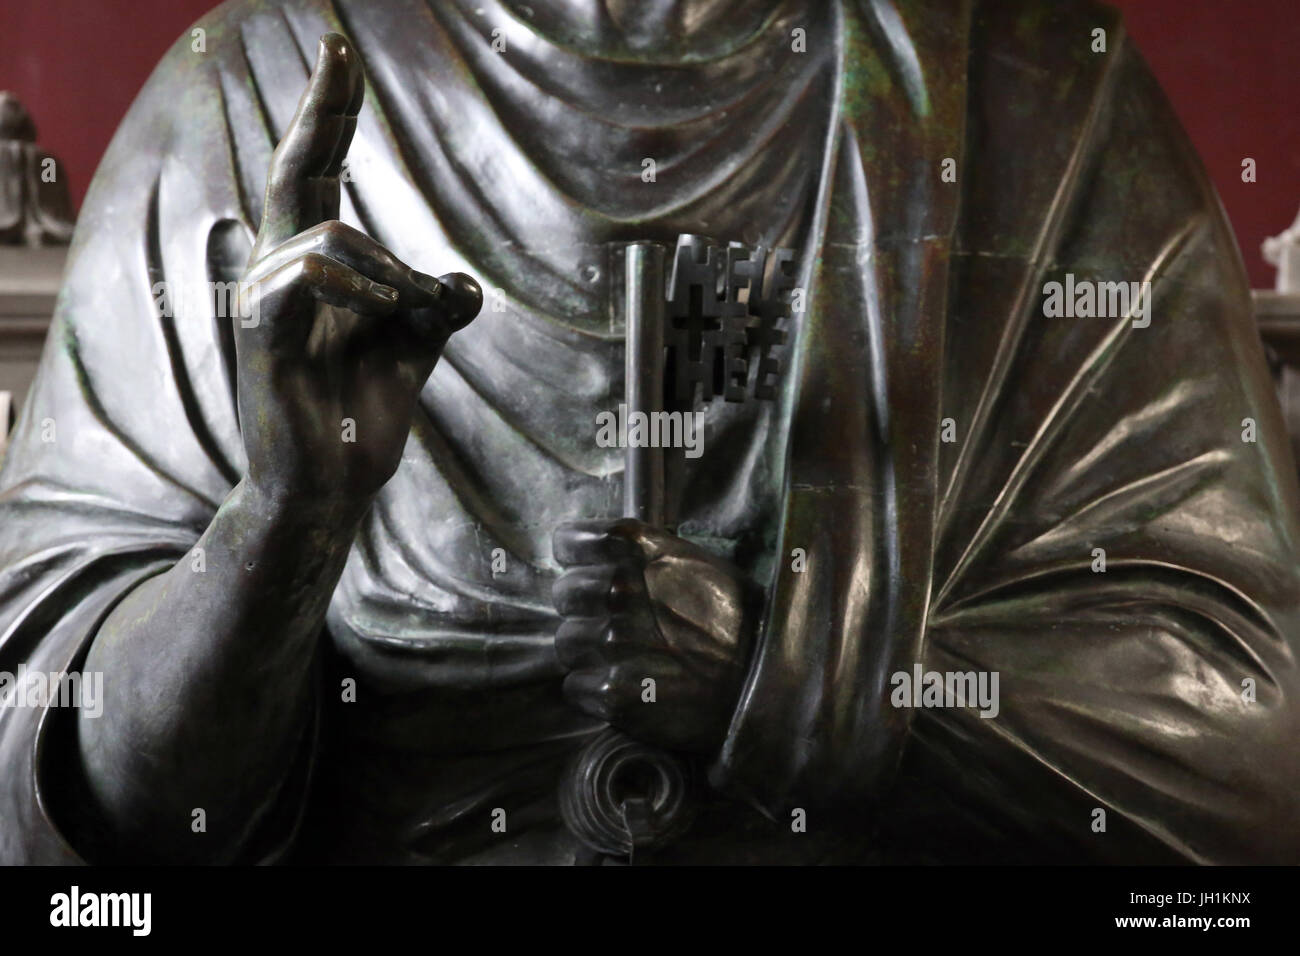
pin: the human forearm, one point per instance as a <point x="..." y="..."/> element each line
<point x="207" y="675"/>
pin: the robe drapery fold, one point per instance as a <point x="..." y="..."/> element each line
<point x="1120" y="690"/>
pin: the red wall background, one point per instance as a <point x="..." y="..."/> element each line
<point x="1230" y="67"/>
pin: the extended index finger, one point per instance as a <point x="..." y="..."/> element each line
<point x="302" y="186"/>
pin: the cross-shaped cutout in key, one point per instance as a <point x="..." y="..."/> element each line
<point x="725" y="323"/>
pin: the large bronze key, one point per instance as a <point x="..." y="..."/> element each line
<point x="700" y="329"/>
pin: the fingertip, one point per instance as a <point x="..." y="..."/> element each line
<point x="333" y="46"/>
<point x="385" y="293"/>
<point x="339" y="66"/>
<point x="464" y="298"/>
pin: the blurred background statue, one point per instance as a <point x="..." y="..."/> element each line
<point x="34" y="207"/>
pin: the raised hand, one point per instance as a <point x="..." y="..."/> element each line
<point x="343" y="335"/>
<point x="210" y="684"/>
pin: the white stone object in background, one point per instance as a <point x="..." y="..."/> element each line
<point x="6" y="414"/>
<point x="1283" y="251"/>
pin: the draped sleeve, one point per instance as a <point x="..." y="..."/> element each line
<point x="1163" y="690"/>
<point x="129" y="442"/>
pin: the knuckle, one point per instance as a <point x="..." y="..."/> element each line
<point x="566" y="592"/>
<point x="565" y="638"/>
<point x="622" y="589"/>
<point x="637" y="537"/>
<point x="572" y="689"/>
<point x="310" y="267"/>
<point x="607" y="702"/>
<point x="587" y="692"/>
<point x="620" y="692"/>
<point x="612" y="637"/>
<point x="627" y="528"/>
<point x="339" y="239"/>
<point x="573" y="639"/>
<point x="558" y="595"/>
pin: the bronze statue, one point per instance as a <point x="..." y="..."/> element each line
<point x="346" y="610"/>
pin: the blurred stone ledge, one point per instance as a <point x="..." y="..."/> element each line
<point x="29" y="286"/>
<point x="29" y="282"/>
<point x="1278" y="316"/>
